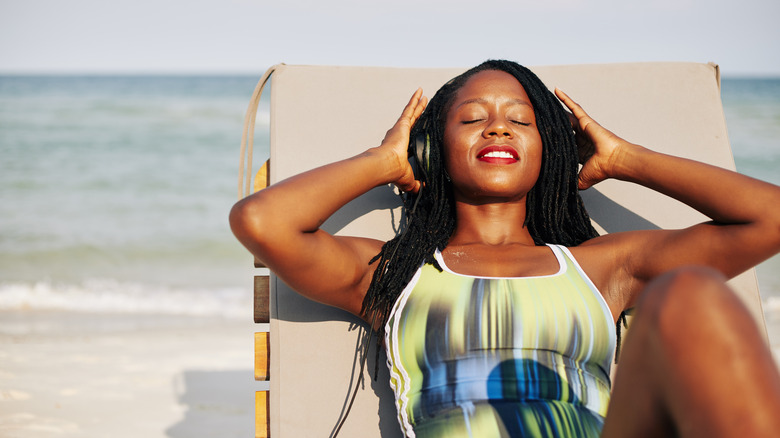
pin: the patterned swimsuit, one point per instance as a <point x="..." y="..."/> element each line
<point x="501" y="357"/>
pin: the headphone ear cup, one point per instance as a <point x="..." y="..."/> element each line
<point x="425" y="158"/>
<point x="419" y="156"/>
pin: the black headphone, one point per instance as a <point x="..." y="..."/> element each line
<point x="419" y="156"/>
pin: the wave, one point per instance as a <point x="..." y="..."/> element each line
<point x="772" y="306"/>
<point x="112" y="296"/>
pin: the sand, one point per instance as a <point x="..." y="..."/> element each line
<point x="95" y="375"/>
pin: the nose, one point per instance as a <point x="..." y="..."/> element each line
<point x="497" y="127"/>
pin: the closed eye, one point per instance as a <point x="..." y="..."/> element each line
<point x="469" y="122"/>
<point x="517" y="122"/>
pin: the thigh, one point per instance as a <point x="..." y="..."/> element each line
<point x="693" y="364"/>
<point x="636" y="408"/>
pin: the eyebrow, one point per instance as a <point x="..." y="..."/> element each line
<point x="483" y="101"/>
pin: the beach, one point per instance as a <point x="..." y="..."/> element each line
<point x="85" y="375"/>
<point x="125" y="301"/>
<point x="70" y="374"/>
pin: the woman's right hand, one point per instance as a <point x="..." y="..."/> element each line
<point x="396" y="142"/>
<point x="281" y="225"/>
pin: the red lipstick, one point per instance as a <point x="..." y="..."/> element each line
<point x="498" y="155"/>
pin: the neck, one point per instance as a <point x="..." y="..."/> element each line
<point x="499" y="223"/>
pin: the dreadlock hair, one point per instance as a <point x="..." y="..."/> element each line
<point x="555" y="211"/>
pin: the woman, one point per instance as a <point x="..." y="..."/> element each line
<point x="496" y="303"/>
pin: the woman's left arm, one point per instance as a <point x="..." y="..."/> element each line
<point x="745" y="212"/>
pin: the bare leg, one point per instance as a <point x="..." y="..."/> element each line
<point x="694" y="365"/>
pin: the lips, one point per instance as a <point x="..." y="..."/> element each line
<point x="498" y="155"/>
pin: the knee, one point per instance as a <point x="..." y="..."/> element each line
<point x="688" y="296"/>
<point x="686" y="285"/>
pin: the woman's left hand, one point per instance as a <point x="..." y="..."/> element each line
<point x="598" y="147"/>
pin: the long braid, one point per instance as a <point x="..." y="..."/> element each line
<point x="555" y="212"/>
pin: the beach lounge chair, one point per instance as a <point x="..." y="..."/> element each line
<point x="323" y="114"/>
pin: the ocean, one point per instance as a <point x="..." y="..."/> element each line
<point x="115" y="190"/>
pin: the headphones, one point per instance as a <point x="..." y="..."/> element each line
<point x="419" y="156"/>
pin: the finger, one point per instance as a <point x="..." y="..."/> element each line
<point x="573" y="121"/>
<point x="419" y="110"/>
<point x="412" y="187"/>
<point x="414" y="103"/>
<point x="583" y="119"/>
<point x="420" y="107"/>
<point x="573" y="106"/>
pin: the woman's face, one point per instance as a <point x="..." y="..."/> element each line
<point x="492" y="147"/>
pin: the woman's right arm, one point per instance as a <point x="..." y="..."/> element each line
<point x="280" y="225"/>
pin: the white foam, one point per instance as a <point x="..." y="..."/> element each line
<point x="772" y="305"/>
<point x="111" y="296"/>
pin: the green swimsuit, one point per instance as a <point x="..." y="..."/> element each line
<point x="497" y="357"/>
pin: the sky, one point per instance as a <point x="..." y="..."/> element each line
<point x="247" y="36"/>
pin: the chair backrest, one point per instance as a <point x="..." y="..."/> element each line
<point x="323" y="114"/>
